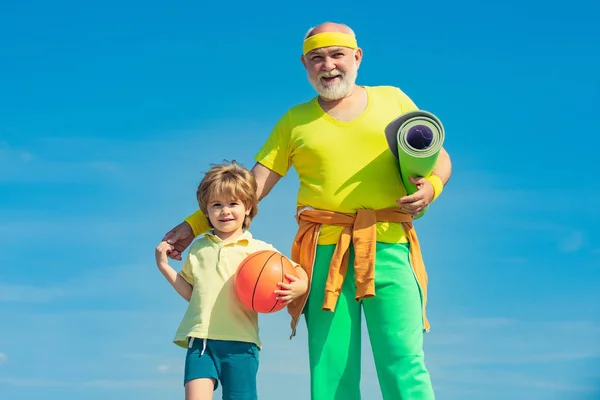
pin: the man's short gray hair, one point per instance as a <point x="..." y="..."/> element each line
<point x="309" y="31"/>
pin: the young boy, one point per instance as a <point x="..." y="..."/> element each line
<point x="221" y="335"/>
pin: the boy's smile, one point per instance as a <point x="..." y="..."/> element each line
<point x="227" y="216"/>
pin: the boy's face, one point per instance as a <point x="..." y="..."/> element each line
<point x="227" y="216"/>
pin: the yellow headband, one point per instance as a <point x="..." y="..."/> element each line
<point x="327" y="39"/>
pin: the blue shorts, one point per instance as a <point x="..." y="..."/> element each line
<point x="233" y="364"/>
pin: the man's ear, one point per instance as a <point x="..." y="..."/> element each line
<point x="358" y="54"/>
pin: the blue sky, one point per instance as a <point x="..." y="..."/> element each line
<point x="111" y="111"/>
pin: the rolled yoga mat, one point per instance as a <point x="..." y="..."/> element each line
<point x="415" y="139"/>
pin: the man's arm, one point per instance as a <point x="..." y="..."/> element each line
<point x="266" y="179"/>
<point x="183" y="234"/>
<point x="443" y="166"/>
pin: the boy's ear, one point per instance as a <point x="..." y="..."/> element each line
<point x="248" y="211"/>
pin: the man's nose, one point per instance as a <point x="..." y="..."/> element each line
<point x="329" y="64"/>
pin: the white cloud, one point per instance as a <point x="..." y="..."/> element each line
<point x="567" y="239"/>
<point x="480" y="353"/>
<point x="39" y="170"/>
<point x="3" y="358"/>
<point x="26" y="156"/>
<point x="99" y="383"/>
<point x="500" y="358"/>
<point x="516" y="359"/>
<point x="511" y="260"/>
<point x="163" y="365"/>
<point x="28" y="294"/>
<point x="49" y="164"/>
<point x="32" y="382"/>
<point x="146" y="383"/>
<point x="483" y="322"/>
<point x="506" y="342"/>
<point x="12" y="154"/>
<point x="103" y="166"/>
<point x="505" y="378"/>
<point x="120" y="160"/>
<point x="16" y="228"/>
<point x="123" y="281"/>
<point x="572" y="242"/>
<point x="163" y="368"/>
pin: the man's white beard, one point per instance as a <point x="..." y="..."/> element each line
<point x="337" y="90"/>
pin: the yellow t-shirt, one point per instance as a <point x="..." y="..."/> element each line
<point x="214" y="310"/>
<point x="342" y="166"/>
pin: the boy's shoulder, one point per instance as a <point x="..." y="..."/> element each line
<point x="200" y="243"/>
<point x="246" y="240"/>
<point x="257" y="244"/>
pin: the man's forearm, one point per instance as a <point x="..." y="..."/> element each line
<point x="443" y="167"/>
<point x="266" y="179"/>
<point x="198" y="222"/>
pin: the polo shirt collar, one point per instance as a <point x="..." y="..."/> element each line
<point x="243" y="239"/>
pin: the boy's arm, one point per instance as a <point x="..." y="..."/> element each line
<point x="180" y="285"/>
<point x="301" y="273"/>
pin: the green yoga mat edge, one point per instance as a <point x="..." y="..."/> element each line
<point x="415" y="162"/>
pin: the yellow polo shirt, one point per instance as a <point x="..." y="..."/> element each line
<point x="342" y="166"/>
<point x="214" y="310"/>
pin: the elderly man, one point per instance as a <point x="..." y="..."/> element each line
<point x="355" y="235"/>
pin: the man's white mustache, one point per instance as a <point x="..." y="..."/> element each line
<point x="331" y="74"/>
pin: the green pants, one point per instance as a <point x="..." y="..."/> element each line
<point x="395" y="325"/>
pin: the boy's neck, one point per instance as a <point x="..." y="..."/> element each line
<point x="228" y="236"/>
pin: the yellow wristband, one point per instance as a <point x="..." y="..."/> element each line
<point x="438" y="186"/>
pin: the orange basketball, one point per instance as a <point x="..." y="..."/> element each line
<point x="257" y="277"/>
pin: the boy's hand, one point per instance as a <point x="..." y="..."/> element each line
<point x="291" y="291"/>
<point x="161" y="254"/>
<point x="180" y="237"/>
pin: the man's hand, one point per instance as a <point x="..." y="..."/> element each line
<point x="291" y="291"/>
<point x="416" y="202"/>
<point x="180" y="237"/>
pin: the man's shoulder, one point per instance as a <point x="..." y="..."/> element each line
<point x="303" y="107"/>
<point x="386" y="90"/>
<point x="388" y="93"/>
<point x="298" y="114"/>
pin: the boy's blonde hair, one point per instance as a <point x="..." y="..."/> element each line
<point x="231" y="180"/>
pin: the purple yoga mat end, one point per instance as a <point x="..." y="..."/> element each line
<point x="419" y="137"/>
